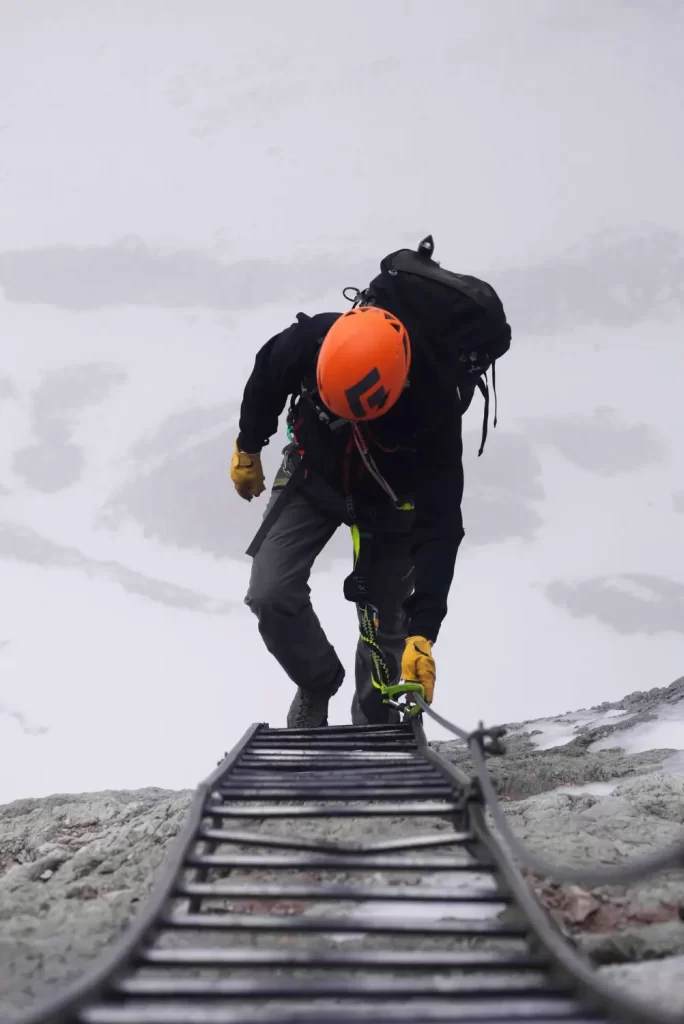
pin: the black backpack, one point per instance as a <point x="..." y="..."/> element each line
<point x="459" y="318"/>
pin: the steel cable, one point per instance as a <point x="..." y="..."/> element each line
<point x="640" y="867"/>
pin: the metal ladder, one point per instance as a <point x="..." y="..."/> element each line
<point x="197" y="955"/>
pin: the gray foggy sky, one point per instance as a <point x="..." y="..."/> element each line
<point x="508" y="129"/>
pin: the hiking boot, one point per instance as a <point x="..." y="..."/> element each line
<point x="308" y="710"/>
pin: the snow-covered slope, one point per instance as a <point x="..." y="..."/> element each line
<point x="644" y="721"/>
<point x="174" y="191"/>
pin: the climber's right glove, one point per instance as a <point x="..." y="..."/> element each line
<point x="418" y="665"/>
<point x="247" y="474"/>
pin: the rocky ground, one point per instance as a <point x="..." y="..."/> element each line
<point x="556" y="801"/>
<point x="75" y="869"/>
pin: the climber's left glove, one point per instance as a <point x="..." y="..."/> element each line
<point x="418" y="665"/>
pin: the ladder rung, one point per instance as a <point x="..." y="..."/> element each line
<point x="321" y="767"/>
<point x="445" y="838"/>
<point x="339" y="988"/>
<point x="219" y="836"/>
<point x="311" y="811"/>
<point x="351" y="756"/>
<point x="319" y="776"/>
<point x="468" y="1011"/>
<point x="343" y="862"/>
<point x="297" y="792"/>
<point x="362" y="959"/>
<point x="375" y="777"/>
<point x="361" y="757"/>
<point x="398" y="729"/>
<point x="323" y="770"/>
<point x="398" y="894"/>
<point x="313" y="742"/>
<point x="316" y="750"/>
<point x="472" y="928"/>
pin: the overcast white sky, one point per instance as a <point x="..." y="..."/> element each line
<point x="220" y="166"/>
<point x="509" y="129"/>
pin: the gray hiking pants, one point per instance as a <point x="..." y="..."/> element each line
<point x="279" y="596"/>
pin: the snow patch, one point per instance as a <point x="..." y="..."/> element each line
<point x="674" y="764"/>
<point x="556" y="732"/>
<point x="666" y="731"/>
<point x="595" y="788"/>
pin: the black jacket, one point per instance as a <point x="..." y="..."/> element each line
<point x="416" y="445"/>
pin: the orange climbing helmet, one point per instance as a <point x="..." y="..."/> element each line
<point x="363" y="363"/>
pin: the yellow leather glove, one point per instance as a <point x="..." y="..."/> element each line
<point x="418" y="665"/>
<point x="247" y="474"/>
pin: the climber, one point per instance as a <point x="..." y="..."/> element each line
<point x="377" y="396"/>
